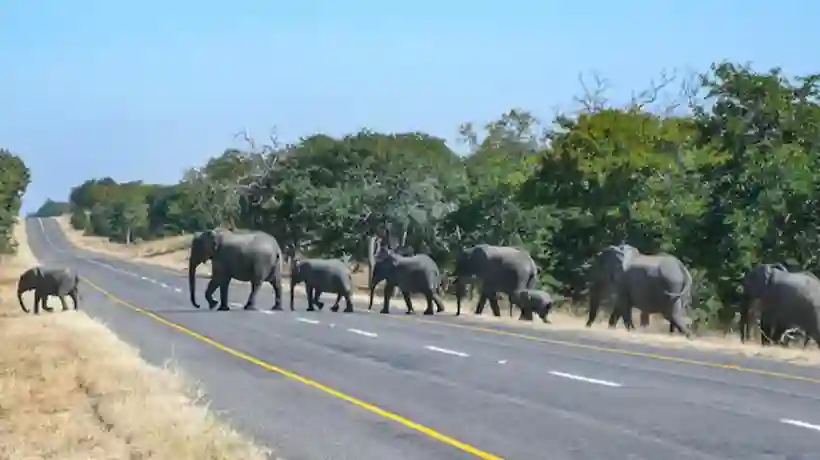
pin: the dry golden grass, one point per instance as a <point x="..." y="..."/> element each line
<point x="172" y="254"/>
<point x="70" y="389"/>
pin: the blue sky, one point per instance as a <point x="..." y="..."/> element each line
<point x="143" y="90"/>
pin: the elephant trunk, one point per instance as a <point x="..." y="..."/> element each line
<point x="21" y="288"/>
<point x="192" y="264"/>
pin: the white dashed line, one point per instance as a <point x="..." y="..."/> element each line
<point x="800" y="424"/>
<point x="446" y="351"/>
<point x="145" y="278"/>
<point x="178" y="289"/>
<point x="309" y="321"/>
<point x="503" y="361"/>
<point x="267" y="312"/>
<point x="585" y="379"/>
<point x="237" y="304"/>
<point x="364" y="333"/>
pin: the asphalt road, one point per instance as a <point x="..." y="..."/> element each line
<point x="366" y="386"/>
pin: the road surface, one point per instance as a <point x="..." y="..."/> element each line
<point x="365" y="386"/>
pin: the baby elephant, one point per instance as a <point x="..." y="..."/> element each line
<point x="47" y="281"/>
<point x="532" y="300"/>
<point x="323" y="275"/>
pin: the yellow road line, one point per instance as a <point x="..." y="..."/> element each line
<point x="443" y="438"/>
<point x="619" y="351"/>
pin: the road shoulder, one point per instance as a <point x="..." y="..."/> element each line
<point x="71" y="389"/>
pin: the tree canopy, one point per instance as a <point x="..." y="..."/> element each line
<point x="724" y="178"/>
<point x="14" y="180"/>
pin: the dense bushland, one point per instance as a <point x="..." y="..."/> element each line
<point x="724" y="176"/>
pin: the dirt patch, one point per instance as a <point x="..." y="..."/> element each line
<point x="70" y="389"/>
<point x="565" y="317"/>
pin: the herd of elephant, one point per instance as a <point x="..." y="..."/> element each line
<point x="780" y="300"/>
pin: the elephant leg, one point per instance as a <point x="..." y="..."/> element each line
<point x="335" y="306"/>
<point x="526" y="313"/>
<point x="316" y="294"/>
<point x="62" y="302"/>
<point x="389" y="288"/>
<point x="482" y="299"/>
<point x="45" y="303"/>
<point x="38" y="296"/>
<point x="223" y="294"/>
<point x="644" y="319"/>
<point x="312" y="297"/>
<point x="276" y="283"/>
<point x="348" y="302"/>
<point x="438" y="302"/>
<point x="409" y="302"/>
<point x="250" y="304"/>
<point x="494" y="305"/>
<point x="209" y="293"/>
<point x="429" y="298"/>
<point x="74" y="297"/>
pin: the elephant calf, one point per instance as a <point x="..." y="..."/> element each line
<point x="48" y="281"/>
<point x="322" y="275"/>
<point x="532" y="300"/>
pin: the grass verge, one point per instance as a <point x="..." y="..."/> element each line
<point x="70" y="389"/>
<point x="172" y="254"/>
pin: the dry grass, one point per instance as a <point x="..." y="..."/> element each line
<point x="70" y="389"/>
<point x="172" y="254"/>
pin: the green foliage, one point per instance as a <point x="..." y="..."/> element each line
<point x="732" y="182"/>
<point x="14" y="180"/>
<point x="52" y="208"/>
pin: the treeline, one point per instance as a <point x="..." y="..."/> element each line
<point x="52" y="208"/>
<point x="14" y="179"/>
<point x="725" y="176"/>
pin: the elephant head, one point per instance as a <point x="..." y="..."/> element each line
<point x="203" y="247"/>
<point x="382" y="265"/>
<point x="607" y="270"/>
<point x="29" y="280"/>
<point x="755" y="284"/>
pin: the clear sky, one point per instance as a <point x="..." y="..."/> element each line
<point x="145" y="89"/>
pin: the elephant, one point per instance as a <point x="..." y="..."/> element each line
<point x="658" y="283"/>
<point x="322" y="275"/>
<point x="499" y="269"/>
<point x="782" y="299"/>
<point x="48" y="281"/>
<point x="532" y="300"/>
<point x="247" y="256"/>
<point x="411" y="274"/>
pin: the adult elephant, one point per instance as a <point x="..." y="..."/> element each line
<point x="411" y="274"/>
<point x="781" y="299"/>
<point x="502" y="269"/>
<point x="248" y="256"/>
<point x="658" y="283"/>
<point x="47" y="281"/>
<point x="322" y="275"/>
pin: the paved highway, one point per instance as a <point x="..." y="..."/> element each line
<point x="366" y="386"/>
